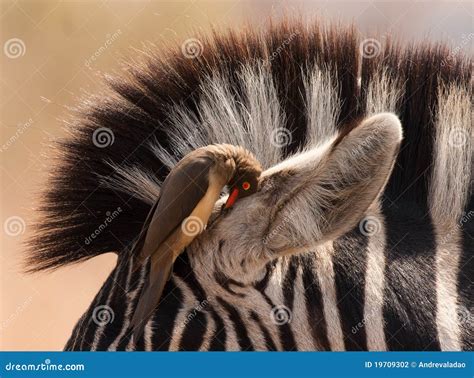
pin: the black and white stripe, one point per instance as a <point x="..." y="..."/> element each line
<point x="406" y="286"/>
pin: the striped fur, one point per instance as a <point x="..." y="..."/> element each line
<point x="406" y="286"/>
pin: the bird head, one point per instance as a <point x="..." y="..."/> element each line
<point x="245" y="180"/>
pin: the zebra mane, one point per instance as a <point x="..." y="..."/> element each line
<point x="307" y="81"/>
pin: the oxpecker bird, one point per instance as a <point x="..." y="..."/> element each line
<point x="181" y="212"/>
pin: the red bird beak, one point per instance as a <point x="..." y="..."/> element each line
<point x="232" y="198"/>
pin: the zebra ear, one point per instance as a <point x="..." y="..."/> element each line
<point x="331" y="188"/>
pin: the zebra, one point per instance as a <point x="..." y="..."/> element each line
<point x="391" y="263"/>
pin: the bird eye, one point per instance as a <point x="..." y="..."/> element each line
<point x="246" y="185"/>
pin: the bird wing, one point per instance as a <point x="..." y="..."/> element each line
<point x="160" y="270"/>
<point x="138" y="246"/>
<point x="181" y="191"/>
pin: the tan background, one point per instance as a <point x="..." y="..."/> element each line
<point x="39" y="311"/>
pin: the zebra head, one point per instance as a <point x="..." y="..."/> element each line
<point x="313" y="197"/>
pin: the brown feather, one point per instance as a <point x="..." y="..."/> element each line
<point x="160" y="270"/>
<point x="181" y="192"/>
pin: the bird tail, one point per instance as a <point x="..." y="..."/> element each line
<point x="160" y="270"/>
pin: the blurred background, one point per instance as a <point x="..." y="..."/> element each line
<point x="53" y="50"/>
